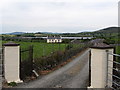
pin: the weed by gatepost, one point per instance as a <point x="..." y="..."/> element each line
<point x="12" y="84"/>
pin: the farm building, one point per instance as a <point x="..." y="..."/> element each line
<point x="55" y="39"/>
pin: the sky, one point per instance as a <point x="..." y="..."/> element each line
<point x="57" y="15"/>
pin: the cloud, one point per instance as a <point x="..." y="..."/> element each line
<point x="90" y="14"/>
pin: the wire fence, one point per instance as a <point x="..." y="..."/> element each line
<point x="116" y="71"/>
<point x="26" y="62"/>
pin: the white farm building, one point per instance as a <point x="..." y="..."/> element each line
<point x="55" y="39"/>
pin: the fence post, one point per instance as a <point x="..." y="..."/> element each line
<point x="31" y="58"/>
<point x="43" y="50"/>
<point x="99" y="65"/>
<point x="12" y="62"/>
<point x="89" y="68"/>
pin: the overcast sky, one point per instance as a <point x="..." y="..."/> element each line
<point x="57" y="15"/>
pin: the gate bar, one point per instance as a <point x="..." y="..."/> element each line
<point x="113" y="54"/>
<point x="114" y="82"/>
<point x="114" y="62"/>
<point x="112" y="68"/>
<point x="114" y="76"/>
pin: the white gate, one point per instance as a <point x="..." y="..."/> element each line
<point x="116" y="71"/>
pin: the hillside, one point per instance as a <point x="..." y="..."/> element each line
<point x="109" y="30"/>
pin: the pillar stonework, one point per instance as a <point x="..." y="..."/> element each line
<point x="99" y="66"/>
<point x="12" y="62"/>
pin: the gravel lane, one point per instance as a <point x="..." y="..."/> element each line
<point x="73" y="75"/>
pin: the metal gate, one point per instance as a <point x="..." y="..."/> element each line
<point x="26" y="62"/>
<point x="116" y="71"/>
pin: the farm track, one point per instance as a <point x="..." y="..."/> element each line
<point x="73" y="75"/>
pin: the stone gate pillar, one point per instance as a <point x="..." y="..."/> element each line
<point x="99" y="65"/>
<point x="12" y="62"/>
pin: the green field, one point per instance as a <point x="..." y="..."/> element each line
<point x="41" y="49"/>
<point x="44" y="49"/>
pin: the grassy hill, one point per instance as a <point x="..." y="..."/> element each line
<point x="109" y="30"/>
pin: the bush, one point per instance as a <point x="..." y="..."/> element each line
<point x="109" y="41"/>
<point x="48" y="62"/>
<point x="69" y="46"/>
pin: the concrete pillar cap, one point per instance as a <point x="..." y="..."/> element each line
<point x="11" y="44"/>
<point x="101" y="46"/>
